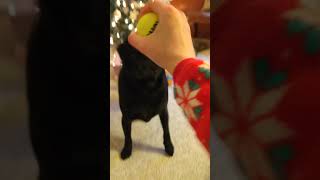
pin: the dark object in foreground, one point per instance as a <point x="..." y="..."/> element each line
<point x="143" y="94"/>
<point x="67" y="90"/>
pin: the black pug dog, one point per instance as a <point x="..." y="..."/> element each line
<point x="143" y="94"/>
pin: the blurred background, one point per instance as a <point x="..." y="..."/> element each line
<point x="265" y="89"/>
<point x="16" y="158"/>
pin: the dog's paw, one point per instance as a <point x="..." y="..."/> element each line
<point x="126" y="153"/>
<point x="169" y="149"/>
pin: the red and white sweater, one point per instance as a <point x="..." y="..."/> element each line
<point x="192" y="92"/>
<point x="266" y="86"/>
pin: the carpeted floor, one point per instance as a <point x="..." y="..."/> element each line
<point x="148" y="160"/>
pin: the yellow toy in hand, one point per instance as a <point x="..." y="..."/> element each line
<point x="147" y="24"/>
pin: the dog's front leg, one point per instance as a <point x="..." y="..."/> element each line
<point x="127" y="149"/>
<point x="164" y="117"/>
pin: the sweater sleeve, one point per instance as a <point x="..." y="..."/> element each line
<point x="192" y="92"/>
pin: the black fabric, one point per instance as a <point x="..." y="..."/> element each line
<point x="67" y="89"/>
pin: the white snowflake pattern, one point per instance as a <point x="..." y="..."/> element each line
<point x="187" y="99"/>
<point x="245" y="120"/>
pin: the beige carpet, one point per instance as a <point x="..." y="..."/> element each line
<point x="148" y="160"/>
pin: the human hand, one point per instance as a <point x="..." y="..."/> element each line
<point x="171" y="42"/>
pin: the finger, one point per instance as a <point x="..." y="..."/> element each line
<point x="157" y="6"/>
<point x="137" y="41"/>
<point x="149" y="7"/>
<point x="144" y="10"/>
<point x="183" y="15"/>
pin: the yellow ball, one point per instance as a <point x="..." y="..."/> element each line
<point x="146" y="24"/>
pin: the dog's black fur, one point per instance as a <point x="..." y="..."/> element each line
<point x="143" y="94"/>
<point x="67" y="89"/>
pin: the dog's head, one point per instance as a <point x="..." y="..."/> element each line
<point x="136" y="61"/>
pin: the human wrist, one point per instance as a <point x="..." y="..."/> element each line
<point x="173" y="64"/>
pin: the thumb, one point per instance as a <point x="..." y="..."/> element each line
<point x="137" y="41"/>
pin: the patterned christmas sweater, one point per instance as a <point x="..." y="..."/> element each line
<point x="191" y="79"/>
<point x="266" y="86"/>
